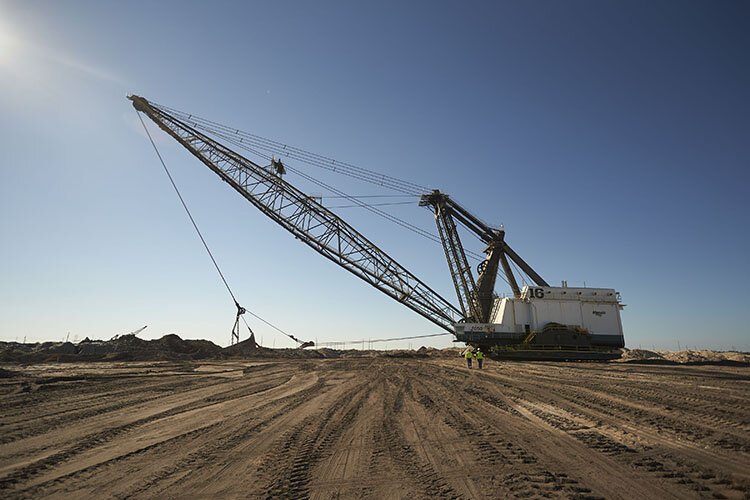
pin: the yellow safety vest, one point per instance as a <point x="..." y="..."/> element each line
<point x="480" y="355"/>
<point x="468" y="355"/>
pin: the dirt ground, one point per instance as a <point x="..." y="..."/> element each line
<point x="374" y="428"/>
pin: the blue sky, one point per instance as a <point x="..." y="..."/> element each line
<point x="610" y="138"/>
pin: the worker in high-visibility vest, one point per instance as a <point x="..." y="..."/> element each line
<point x="468" y="355"/>
<point x="480" y="357"/>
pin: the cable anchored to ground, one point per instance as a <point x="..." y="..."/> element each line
<point x="372" y="341"/>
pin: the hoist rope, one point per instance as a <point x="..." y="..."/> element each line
<point x="231" y="139"/>
<point x="372" y="341"/>
<point x="392" y="218"/>
<point x="373" y="205"/>
<point x="268" y="148"/>
<point x="252" y="143"/>
<point x="375" y="196"/>
<point x="203" y="240"/>
<point x="314" y="159"/>
<point x="525" y="278"/>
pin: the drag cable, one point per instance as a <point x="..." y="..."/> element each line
<point x="203" y="240"/>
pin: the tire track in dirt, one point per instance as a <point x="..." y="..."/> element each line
<point x="39" y="390"/>
<point x="375" y="428"/>
<point x="431" y="484"/>
<point x="87" y="442"/>
<point x="10" y="449"/>
<point x="48" y="421"/>
<point x="512" y="469"/>
<point x="655" y="428"/>
<point x="683" y="473"/>
<point x="222" y="438"/>
<point x="304" y="446"/>
<point x="37" y="489"/>
<point x="213" y="466"/>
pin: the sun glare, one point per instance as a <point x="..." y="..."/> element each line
<point x="7" y="46"/>
<point x="5" y="49"/>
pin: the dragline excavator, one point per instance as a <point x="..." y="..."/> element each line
<point x="540" y="321"/>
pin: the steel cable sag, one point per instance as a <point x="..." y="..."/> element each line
<point x="203" y="240"/>
<point x="301" y="154"/>
<point x="339" y="193"/>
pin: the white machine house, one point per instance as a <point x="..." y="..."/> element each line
<point x="539" y="322"/>
<point x="552" y="318"/>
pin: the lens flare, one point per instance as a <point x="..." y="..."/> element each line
<point x="7" y="46"/>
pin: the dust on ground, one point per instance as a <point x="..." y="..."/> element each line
<point x="377" y="427"/>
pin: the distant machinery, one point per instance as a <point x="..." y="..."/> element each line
<point x="133" y="333"/>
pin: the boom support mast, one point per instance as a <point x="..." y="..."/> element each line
<point x="476" y="298"/>
<point x="306" y="219"/>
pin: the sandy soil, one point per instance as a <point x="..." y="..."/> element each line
<point x="377" y="428"/>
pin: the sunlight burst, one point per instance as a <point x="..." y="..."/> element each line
<point x="7" y="46"/>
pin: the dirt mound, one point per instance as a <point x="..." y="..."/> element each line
<point x="406" y="354"/>
<point x="123" y="348"/>
<point x="96" y="348"/>
<point x="328" y="353"/>
<point x="169" y="347"/>
<point x="172" y="347"/>
<point x="195" y="349"/>
<point x="707" y="356"/>
<point x="242" y="349"/>
<point x="57" y="348"/>
<point x="685" y="357"/>
<point x="640" y="355"/>
<point x="171" y="342"/>
<point x="448" y="352"/>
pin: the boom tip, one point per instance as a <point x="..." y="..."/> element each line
<point x="139" y="103"/>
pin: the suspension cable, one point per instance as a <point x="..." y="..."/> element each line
<point x="328" y="187"/>
<point x="314" y="159"/>
<point x="268" y="148"/>
<point x="376" y="196"/>
<point x="254" y="143"/>
<point x="373" y="205"/>
<point x="232" y="139"/>
<point x="372" y="341"/>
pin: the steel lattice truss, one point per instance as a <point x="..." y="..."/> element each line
<point x="477" y="298"/>
<point x="307" y="219"/>
<point x="463" y="279"/>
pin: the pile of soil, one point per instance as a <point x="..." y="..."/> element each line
<point x="243" y="352"/>
<point x="172" y="348"/>
<point x="123" y="348"/>
<point x="640" y="355"/>
<point x="707" y="356"/>
<point x="685" y="357"/>
<point x="168" y="348"/>
<point x="419" y="353"/>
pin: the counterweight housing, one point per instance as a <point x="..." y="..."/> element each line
<point x="551" y="318"/>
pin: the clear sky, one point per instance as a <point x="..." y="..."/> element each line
<point x="611" y="139"/>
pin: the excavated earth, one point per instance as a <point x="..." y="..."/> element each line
<point x="374" y="428"/>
